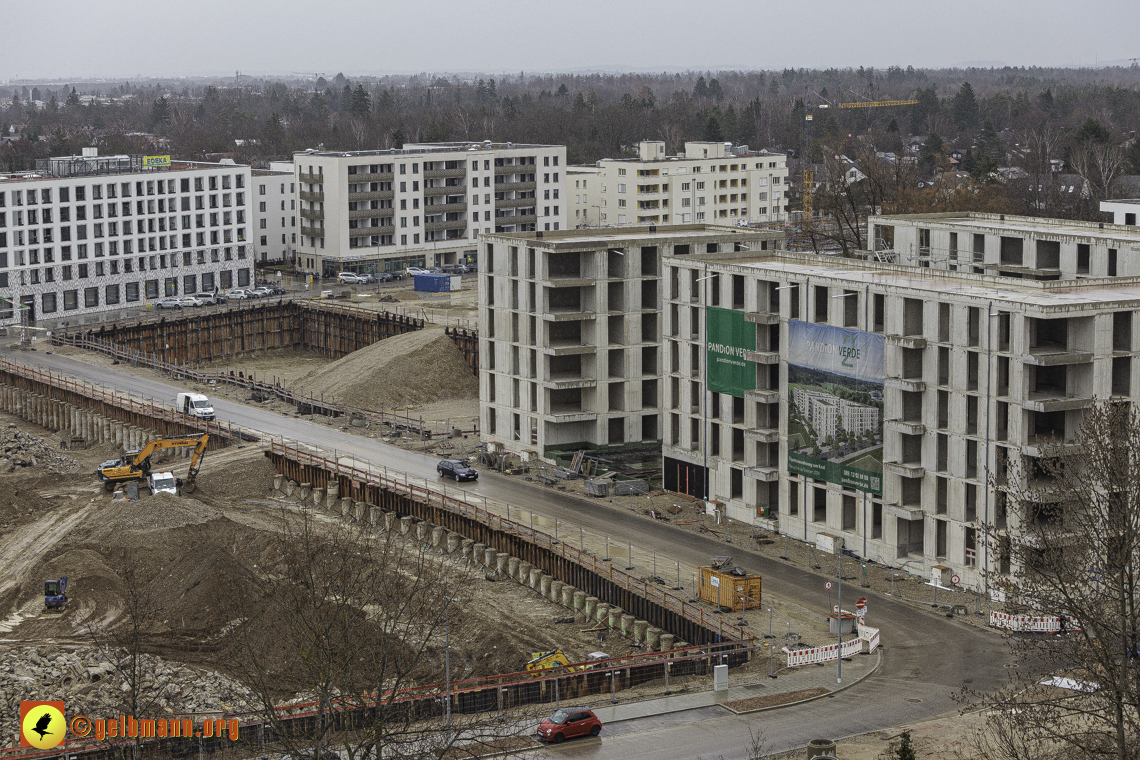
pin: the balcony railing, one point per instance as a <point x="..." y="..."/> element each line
<point x="312" y="213"/>
<point x="438" y="173"/>
<point x="375" y="177"/>
<point x="311" y="179"/>
<point x="444" y="208"/>
<point x="312" y="231"/>
<point x="507" y="187"/>
<point x="445" y="190"/>
<point x="313" y="196"/>
<point x="369" y="213"/>
<point x="514" y="202"/>
<point x="515" y="169"/>
<point x="456" y="224"/>
<point x="373" y="195"/>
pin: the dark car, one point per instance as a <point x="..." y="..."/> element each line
<point x="453" y="468"/>
<point x="567" y="724"/>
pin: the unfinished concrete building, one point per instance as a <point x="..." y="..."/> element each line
<point x="969" y="372"/>
<point x="570" y="333"/>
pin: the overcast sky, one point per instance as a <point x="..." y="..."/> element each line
<point x="132" y="38"/>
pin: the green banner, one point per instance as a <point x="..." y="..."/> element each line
<point x="729" y="336"/>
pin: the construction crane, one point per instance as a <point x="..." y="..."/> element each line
<point x="135" y="465"/>
<point x="878" y="103"/>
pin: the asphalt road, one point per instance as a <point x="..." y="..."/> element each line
<point x="927" y="658"/>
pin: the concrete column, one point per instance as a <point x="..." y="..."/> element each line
<point x="667" y="642"/>
<point x="639" y="628"/>
<point x="359" y="509"/>
<point x="318" y="496"/>
<point x="305" y="489"/>
<point x="590" y="606"/>
<point x="374" y="515"/>
<point x="602" y="612"/>
<point x="567" y="599"/>
<point x="438" y="536"/>
<point x="453" y="542"/>
<point x="627" y="625"/>
<point x="118" y="434"/>
<point x="389" y="520"/>
<point x="614" y="621"/>
<point x="423" y="530"/>
<point x="513" y="567"/>
<point x="489" y="556"/>
<point x="556" y="591"/>
<point x="523" y="575"/>
<point x="277" y="479"/>
<point x="535" y="574"/>
<point x="332" y="491"/>
<point x="544" y="585"/>
<point x="406" y="524"/>
<point x="477" y="553"/>
<point x="653" y="638"/>
<point x="502" y="564"/>
<point x="466" y="547"/>
<point x="290" y="487"/>
<point x="578" y="600"/>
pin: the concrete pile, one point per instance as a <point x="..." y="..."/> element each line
<point x="20" y="449"/>
<point x="91" y="683"/>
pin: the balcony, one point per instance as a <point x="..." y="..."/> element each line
<point x="905" y="426"/>
<point x="1049" y="355"/>
<point x="311" y="179"/>
<point x="762" y="357"/>
<point x="768" y="396"/>
<point x="438" y="190"/>
<point x="517" y="219"/>
<point x="905" y="469"/>
<point x="763" y="435"/>
<point x="569" y="415"/>
<point x="906" y="341"/>
<point x="904" y="513"/>
<point x="377" y="177"/>
<point x="913" y="385"/>
<point x="455" y="224"/>
<point x="515" y="169"/>
<point x="568" y="348"/>
<point x="763" y="474"/>
<point x="313" y="196"/>
<point x="514" y="202"/>
<point x="312" y="231"/>
<point x="762" y="318"/>
<point x="372" y="195"/>
<point x="444" y="208"/>
<point x="311" y="213"/>
<point x="369" y="213"/>
<point x="1055" y="402"/>
<point x="507" y="187"/>
<point x="445" y="173"/>
<point x="563" y="383"/>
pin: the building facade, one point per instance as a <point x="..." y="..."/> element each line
<point x="570" y="333"/>
<point x="710" y="183"/>
<point x="85" y="237"/>
<point x="424" y="204"/>
<point x="880" y="406"/>
<point x="274" y="209"/>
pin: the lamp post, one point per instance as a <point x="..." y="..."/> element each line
<point x="447" y="660"/>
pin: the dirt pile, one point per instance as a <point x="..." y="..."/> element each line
<point x="20" y="449"/>
<point x="92" y="683"/>
<point x="409" y="370"/>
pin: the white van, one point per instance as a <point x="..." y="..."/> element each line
<point x="195" y="405"/>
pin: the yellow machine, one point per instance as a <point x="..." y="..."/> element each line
<point x="553" y="658"/>
<point x="135" y="465"/>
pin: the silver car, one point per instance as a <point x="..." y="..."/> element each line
<point x="173" y="302"/>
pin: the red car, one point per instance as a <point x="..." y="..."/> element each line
<point x="567" y="724"/>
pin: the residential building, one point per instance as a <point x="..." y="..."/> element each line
<point x="274" y="237"/>
<point x="570" y="332"/>
<point x="1124" y="210"/>
<point x="85" y="237"/>
<point x="879" y="406"/>
<point x="584" y="196"/>
<point x="711" y="182"/>
<point x="1012" y="247"/>
<point x="422" y="205"/>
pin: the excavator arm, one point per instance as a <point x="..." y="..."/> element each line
<point x="135" y="466"/>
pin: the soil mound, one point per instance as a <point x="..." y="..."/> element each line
<point x="409" y="370"/>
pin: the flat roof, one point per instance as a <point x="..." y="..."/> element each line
<point x="604" y="236"/>
<point x="411" y="149"/>
<point x="971" y="222"/>
<point x="1044" y="295"/>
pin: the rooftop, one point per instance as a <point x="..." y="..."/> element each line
<point x="58" y="167"/>
<point x="421" y="148"/>
<point x="975" y="222"/>
<point x="645" y="235"/>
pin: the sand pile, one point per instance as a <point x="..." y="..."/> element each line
<point x="410" y="370"/>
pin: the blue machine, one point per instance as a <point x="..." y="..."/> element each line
<point x="55" y="595"/>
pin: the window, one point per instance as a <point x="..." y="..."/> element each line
<point x="90" y="297"/>
<point x="70" y="300"/>
<point x="111" y="294"/>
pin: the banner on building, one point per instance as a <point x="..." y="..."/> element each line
<point x="150" y="161"/>
<point x="835" y="418"/>
<point x="729" y="337"/>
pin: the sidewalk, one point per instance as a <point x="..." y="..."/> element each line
<point x="761" y="695"/>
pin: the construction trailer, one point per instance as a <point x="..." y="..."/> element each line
<point x="728" y="586"/>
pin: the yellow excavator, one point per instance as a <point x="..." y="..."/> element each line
<point x="135" y="465"/>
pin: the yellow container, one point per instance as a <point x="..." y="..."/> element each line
<point x="728" y="591"/>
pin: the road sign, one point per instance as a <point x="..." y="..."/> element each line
<point x="954" y="579"/>
<point x="827" y="585"/>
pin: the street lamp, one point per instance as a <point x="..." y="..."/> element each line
<point x="447" y="660"/>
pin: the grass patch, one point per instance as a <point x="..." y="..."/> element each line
<point x="773" y="700"/>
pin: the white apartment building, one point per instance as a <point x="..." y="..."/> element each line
<point x="1125" y="211"/>
<point x="570" y="332"/>
<point x="422" y="205"/>
<point x="274" y="236"/>
<point x="712" y="182"/>
<point x="85" y="237"/>
<point x="969" y="372"/>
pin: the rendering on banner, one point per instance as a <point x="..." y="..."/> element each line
<point x="729" y="336"/>
<point x="835" y="419"/>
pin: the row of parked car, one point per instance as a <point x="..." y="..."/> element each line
<point x="352" y="278"/>
<point x="209" y="299"/>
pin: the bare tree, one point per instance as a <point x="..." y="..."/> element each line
<point x="1075" y="542"/>
<point x="358" y="616"/>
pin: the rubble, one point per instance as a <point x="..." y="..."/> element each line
<point x="89" y="680"/>
<point x="20" y="449"/>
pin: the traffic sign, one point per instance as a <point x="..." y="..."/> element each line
<point x="954" y="579"/>
<point x="827" y="585"/>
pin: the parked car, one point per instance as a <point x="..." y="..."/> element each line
<point x="192" y="301"/>
<point x="396" y="275"/>
<point x="366" y="279"/>
<point x="567" y="724"/>
<point x="412" y="271"/>
<point x="238" y="294"/>
<point x="455" y="469"/>
<point x="472" y="267"/>
<point x="454" y="269"/>
<point x="173" y="302"/>
<point x="349" y="278"/>
<point x="262" y="292"/>
<point x="209" y="299"/>
<point x="384" y="277"/>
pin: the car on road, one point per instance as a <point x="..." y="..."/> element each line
<point x="412" y="271"/>
<point x="238" y="294"/>
<point x="367" y="279"/>
<point x="455" y="469"/>
<point x="173" y="302"/>
<point x="568" y="724"/>
<point x="210" y="298"/>
<point x="192" y="301"/>
<point x="349" y="278"/>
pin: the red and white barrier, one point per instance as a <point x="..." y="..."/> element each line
<point x="826" y="653"/>
<point x="1026" y="623"/>
<point x="871" y="636"/>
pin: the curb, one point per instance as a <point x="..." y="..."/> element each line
<point x="878" y="662"/>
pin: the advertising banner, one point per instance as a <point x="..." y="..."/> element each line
<point x="729" y="336"/>
<point x="835" y="417"/>
<point x="152" y="161"/>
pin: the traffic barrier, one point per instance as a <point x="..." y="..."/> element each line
<point x="826" y="653"/>
<point x="1026" y="623"/>
<point x="871" y="636"/>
